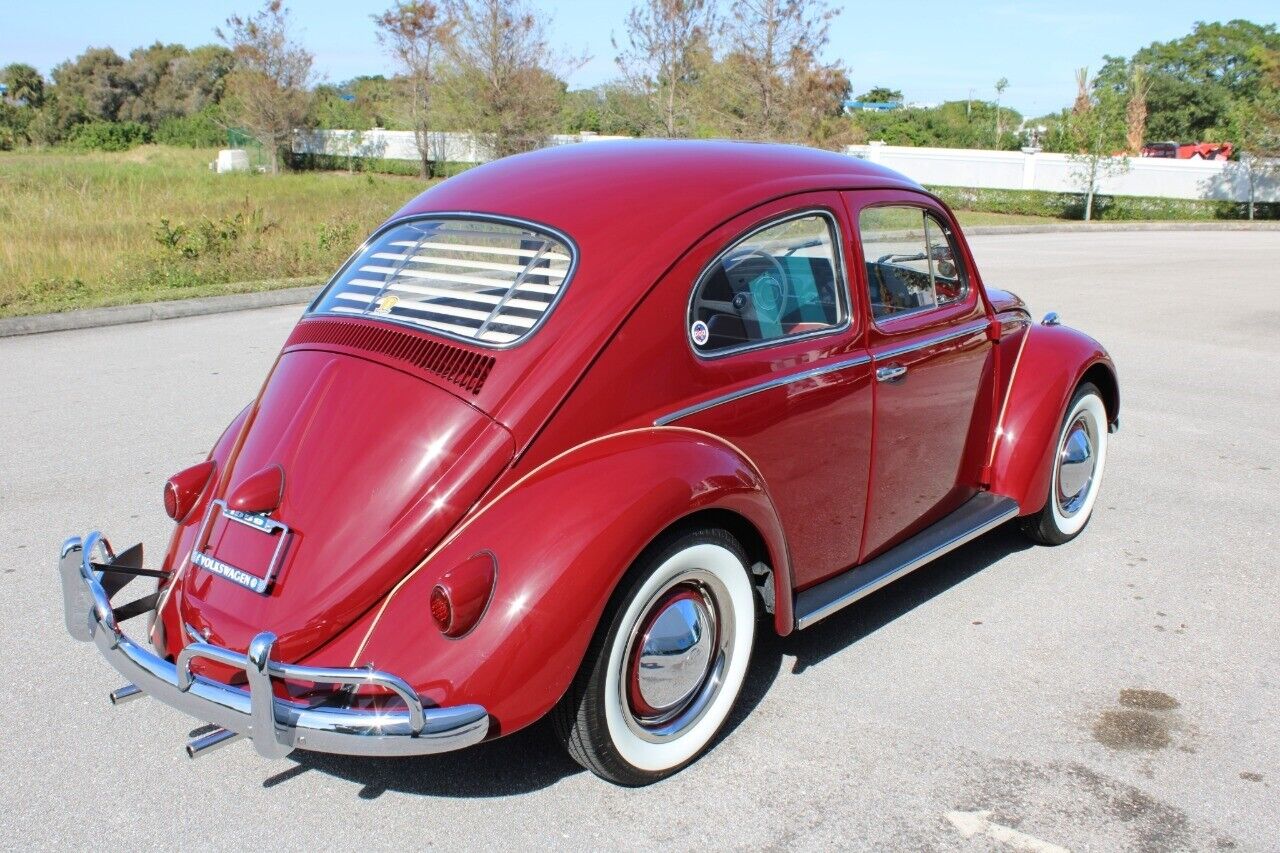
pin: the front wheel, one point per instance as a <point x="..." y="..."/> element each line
<point x="666" y="664"/>
<point x="1077" y="471"/>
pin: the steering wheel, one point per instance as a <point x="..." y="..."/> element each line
<point x="758" y="281"/>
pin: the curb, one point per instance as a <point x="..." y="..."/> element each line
<point x="1076" y="227"/>
<point x="118" y="315"/>
<point x="89" y="318"/>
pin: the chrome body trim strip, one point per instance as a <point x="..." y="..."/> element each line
<point x="768" y="384"/>
<point x="933" y="340"/>
<point x="981" y="513"/>
<point x="276" y="726"/>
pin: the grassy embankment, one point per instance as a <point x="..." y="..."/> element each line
<point x="83" y="230"/>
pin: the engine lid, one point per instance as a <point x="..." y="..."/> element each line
<point x="376" y="465"/>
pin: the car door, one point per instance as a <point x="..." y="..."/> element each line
<point x="929" y="336"/>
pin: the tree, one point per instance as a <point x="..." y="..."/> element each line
<point x="1193" y="80"/>
<point x="1096" y="132"/>
<point x="267" y="91"/>
<point x="613" y="109"/>
<point x="26" y="86"/>
<point x="1135" y="111"/>
<point x="784" y="91"/>
<point x="92" y="86"/>
<point x="954" y="124"/>
<point x="1083" y="103"/>
<point x="1253" y="125"/>
<point x="1001" y="85"/>
<point x="665" y="40"/>
<point x="881" y="95"/>
<point x="415" y="33"/>
<point x="499" y="83"/>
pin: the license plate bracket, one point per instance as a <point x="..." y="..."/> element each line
<point x="259" y="583"/>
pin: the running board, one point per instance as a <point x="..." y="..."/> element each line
<point x="979" y="514"/>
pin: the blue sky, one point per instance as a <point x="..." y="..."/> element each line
<point x="933" y="51"/>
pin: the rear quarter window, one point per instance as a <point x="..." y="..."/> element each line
<point x="478" y="280"/>
<point x="782" y="280"/>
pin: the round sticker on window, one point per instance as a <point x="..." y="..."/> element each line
<point x="701" y="334"/>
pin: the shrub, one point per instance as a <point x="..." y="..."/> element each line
<point x="1108" y="207"/>
<point x="199" y="130"/>
<point x="109" y="135"/>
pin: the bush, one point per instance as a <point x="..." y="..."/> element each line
<point x="375" y="165"/>
<point x="1106" y="207"/>
<point x="109" y="135"/>
<point x="200" y="130"/>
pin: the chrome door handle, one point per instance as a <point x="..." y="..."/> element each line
<point x="890" y="373"/>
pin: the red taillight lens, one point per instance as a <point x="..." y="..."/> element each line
<point x="183" y="490"/>
<point x="462" y="595"/>
<point x="441" y="609"/>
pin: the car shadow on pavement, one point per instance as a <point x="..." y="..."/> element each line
<point x="848" y="626"/>
<point x="532" y="759"/>
<point x="528" y="760"/>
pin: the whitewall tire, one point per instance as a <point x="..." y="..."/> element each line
<point x="1079" y="460"/>
<point x="667" y="662"/>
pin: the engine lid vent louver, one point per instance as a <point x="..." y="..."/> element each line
<point x="465" y="369"/>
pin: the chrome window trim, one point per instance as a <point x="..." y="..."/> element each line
<point x="474" y="216"/>
<point x="842" y="287"/>
<point x="768" y="384"/>
<point x="933" y="340"/>
<point x="947" y="232"/>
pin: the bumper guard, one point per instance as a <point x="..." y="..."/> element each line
<point x="276" y="726"/>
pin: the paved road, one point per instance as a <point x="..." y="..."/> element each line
<point x="991" y="681"/>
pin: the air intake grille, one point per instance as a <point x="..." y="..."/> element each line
<point x="455" y="364"/>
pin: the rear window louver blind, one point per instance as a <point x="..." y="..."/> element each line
<point x="478" y="280"/>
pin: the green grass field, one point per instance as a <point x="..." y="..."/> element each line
<point x="83" y="230"/>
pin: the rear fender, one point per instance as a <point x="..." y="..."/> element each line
<point x="1051" y="364"/>
<point x="563" y="536"/>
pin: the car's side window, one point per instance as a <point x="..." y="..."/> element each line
<point x="911" y="260"/>
<point x="780" y="281"/>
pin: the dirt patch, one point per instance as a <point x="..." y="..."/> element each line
<point x="1147" y="700"/>
<point x="1131" y="729"/>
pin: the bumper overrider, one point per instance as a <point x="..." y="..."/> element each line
<point x="276" y="726"/>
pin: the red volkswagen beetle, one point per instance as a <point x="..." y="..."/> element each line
<point x="571" y="428"/>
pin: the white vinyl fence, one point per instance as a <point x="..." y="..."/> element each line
<point x="400" y="145"/>
<point x="953" y="167"/>
<point x="1033" y="170"/>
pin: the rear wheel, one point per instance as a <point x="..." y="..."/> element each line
<point x="1077" y="471"/>
<point x="667" y="662"/>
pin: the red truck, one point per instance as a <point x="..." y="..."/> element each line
<point x="1188" y="150"/>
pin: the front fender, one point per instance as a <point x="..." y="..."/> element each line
<point x="1052" y="362"/>
<point x="563" y="537"/>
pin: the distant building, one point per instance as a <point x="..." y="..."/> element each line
<point x="871" y="106"/>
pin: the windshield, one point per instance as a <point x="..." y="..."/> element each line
<point x="480" y="280"/>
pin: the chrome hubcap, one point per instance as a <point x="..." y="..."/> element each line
<point x="676" y="658"/>
<point x="674" y="653"/>
<point x="1076" y="462"/>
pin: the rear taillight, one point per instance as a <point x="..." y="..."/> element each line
<point x="183" y="490"/>
<point x="462" y="595"/>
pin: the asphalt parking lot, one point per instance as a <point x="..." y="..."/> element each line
<point x="1116" y="693"/>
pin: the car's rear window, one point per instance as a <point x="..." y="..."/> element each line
<point x="477" y="279"/>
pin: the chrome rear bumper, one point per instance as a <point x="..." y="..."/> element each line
<point x="276" y="726"/>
